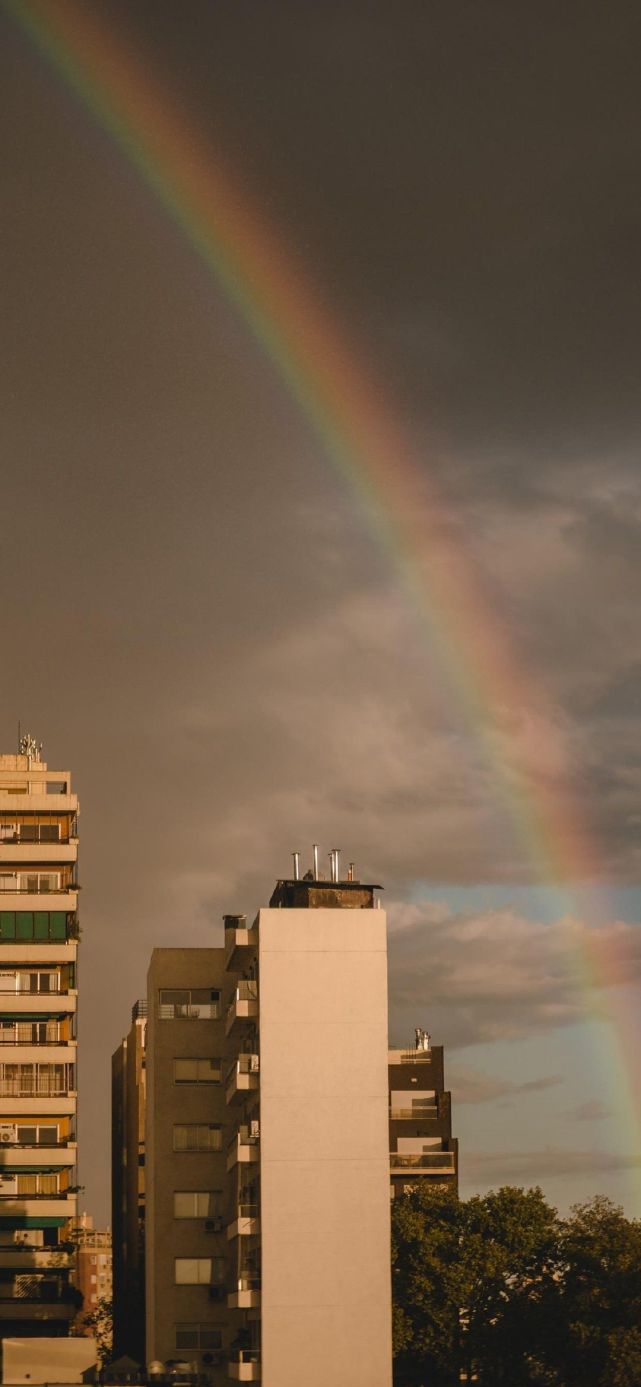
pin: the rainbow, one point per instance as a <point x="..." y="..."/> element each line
<point x="361" y="437"/>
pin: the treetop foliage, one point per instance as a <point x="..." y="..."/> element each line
<point x="499" y="1290"/>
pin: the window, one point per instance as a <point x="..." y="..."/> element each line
<point x="191" y="1003"/>
<point x="33" y="924"/>
<point x="37" y="1135"/>
<point x="196" y="1203"/>
<point x="198" y="1271"/>
<point x="188" y="1071"/>
<point x="194" y="1336"/>
<point x="39" y="833"/>
<point x="198" y="1136"/>
<point x="37" y="1184"/>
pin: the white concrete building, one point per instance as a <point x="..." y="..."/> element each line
<point x="309" y="1225"/>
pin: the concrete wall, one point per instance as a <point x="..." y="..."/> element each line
<point x="168" y="1170"/>
<point x="325" y="1205"/>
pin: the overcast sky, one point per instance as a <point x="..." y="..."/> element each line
<point x="197" y="617"/>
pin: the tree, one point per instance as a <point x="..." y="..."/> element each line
<point x="101" y="1321"/>
<point x="600" y="1297"/>
<point x="500" y="1291"/>
<point x="470" y="1283"/>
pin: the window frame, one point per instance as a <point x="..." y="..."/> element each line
<point x="198" y="1060"/>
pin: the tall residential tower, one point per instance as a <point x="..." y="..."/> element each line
<point x="38" y="991"/>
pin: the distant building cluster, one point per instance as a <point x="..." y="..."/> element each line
<point x="259" y="1127"/>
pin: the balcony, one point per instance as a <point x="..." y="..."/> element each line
<point x="423" y="1162"/>
<point x="246" y="1295"/>
<point x="244" y="1365"/>
<point x="246" y="1223"/>
<point x="38" y="1004"/>
<point x="244" y="1147"/>
<point x="59" y="1206"/>
<point x="243" y="1007"/>
<point x="44" y="1155"/>
<point x="242" y="1077"/>
<point x="427" y="1114"/>
<point x="18" y="1257"/>
<point x="240" y="942"/>
<point x="21" y="850"/>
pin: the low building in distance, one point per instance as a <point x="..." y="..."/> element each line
<point x="94" y="1261"/>
<point x="421" y="1142"/>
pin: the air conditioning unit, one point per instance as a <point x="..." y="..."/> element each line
<point x="214" y="1225"/>
<point x="8" y="1132"/>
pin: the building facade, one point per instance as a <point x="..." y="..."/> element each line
<point x="94" y="1268"/>
<point x="267" y="1152"/>
<point x="187" y="1127"/>
<point x="421" y="1143"/>
<point x="38" y="1001"/>
<point x="128" y="1111"/>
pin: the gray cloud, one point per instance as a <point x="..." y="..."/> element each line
<point x="505" y="1167"/>
<point x="594" y="1110"/>
<point x="497" y="975"/>
<point x="469" y="1085"/>
<point x="199" y="617"/>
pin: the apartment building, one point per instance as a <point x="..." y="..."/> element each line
<point x="421" y="1143"/>
<point x="187" y="1127"/>
<point x="128" y="1111"/>
<point x="38" y="998"/>
<point x="267" y="1149"/>
<point x="94" y="1267"/>
<point x="306" y="1092"/>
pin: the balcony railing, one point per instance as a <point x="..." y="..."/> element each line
<point x="37" y="889"/>
<point x="38" y="1145"/>
<point x="26" y="992"/>
<point x="51" y="1291"/>
<point x="433" y="1160"/>
<point x="12" y="1088"/>
<point x="244" y="1355"/>
<point x="248" y="1210"/>
<point x="35" y="1194"/>
<point x="248" y="1281"/>
<point x="417" y="1114"/>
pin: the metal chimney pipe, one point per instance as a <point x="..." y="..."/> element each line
<point x="337" y="853"/>
<point x="296" y="857"/>
<point x="350" y="872"/>
<point x="315" y="852"/>
<point x="331" y="864"/>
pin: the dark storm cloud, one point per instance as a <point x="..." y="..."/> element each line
<point x="197" y="618"/>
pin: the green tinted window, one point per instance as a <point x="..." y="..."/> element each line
<point x="58" y="926"/>
<point x="7" y="924"/>
<point x="24" y="924"/>
<point x="41" y="924"/>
